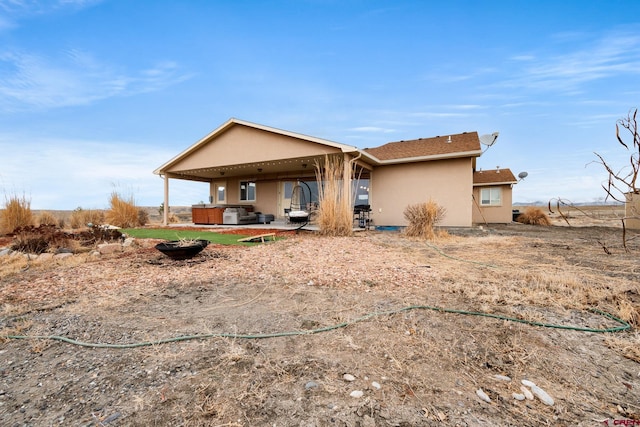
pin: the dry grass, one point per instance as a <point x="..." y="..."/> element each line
<point x="425" y="360"/>
<point x="47" y="218"/>
<point x="80" y="218"/>
<point x="335" y="214"/>
<point x="534" y="216"/>
<point x="16" y="213"/>
<point x="122" y="213"/>
<point x="422" y="219"/>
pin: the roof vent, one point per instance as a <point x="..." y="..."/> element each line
<point x="449" y="139"/>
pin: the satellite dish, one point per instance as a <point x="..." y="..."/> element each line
<point x="489" y="140"/>
<point x="523" y="175"/>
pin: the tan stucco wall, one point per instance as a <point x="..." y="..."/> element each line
<point x="266" y="196"/>
<point x="447" y="182"/>
<point x="241" y="144"/>
<point x="632" y="209"/>
<point x="493" y="214"/>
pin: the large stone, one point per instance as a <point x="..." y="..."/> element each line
<point x="63" y="255"/>
<point x="109" y="248"/>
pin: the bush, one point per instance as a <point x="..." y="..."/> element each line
<point x="81" y="218"/>
<point x="37" y="240"/>
<point x="534" y="216"/>
<point x="422" y="218"/>
<point x="122" y="213"/>
<point x="16" y="213"/>
<point x="143" y="217"/>
<point x="47" y="218"/>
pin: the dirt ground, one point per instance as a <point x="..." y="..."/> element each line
<point x="265" y="335"/>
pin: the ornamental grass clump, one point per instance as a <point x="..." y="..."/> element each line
<point x="534" y="216"/>
<point x="422" y="218"/>
<point x="81" y="218"/>
<point x="335" y="212"/>
<point x="47" y="218"/>
<point x="122" y="213"/>
<point x="16" y="213"/>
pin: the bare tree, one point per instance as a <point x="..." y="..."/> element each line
<point x="621" y="184"/>
<point x="623" y="181"/>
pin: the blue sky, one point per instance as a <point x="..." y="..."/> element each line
<point x="96" y="94"/>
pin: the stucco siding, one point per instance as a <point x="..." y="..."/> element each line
<point x="447" y="182"/>
<point x="241" y="144"/>
<point x="493" y="214"/>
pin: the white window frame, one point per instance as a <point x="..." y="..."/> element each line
<point x="247" y="193"/>
<point x="493" y="198"/>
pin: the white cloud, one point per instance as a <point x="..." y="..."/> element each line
<point x="65" y="174"/>
<point x="371" y="129"/>
<point x="28" y="80"/>
<point x="612" y="55"/>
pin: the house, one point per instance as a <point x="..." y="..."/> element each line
<point x="255" y="167"/>
<point x="492" y="196"/>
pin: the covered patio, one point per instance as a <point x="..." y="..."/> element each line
<point x="255" y="168"/>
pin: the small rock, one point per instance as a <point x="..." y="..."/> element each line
<point x="542" y="395"/>
<point x="5" y="251"/>
<point x="62" y="255"/>
<point x="518" y="396"/>
<point x="526" y="393"/>
<point x="310" y="385"/>
<point x="502" y="378"/>
<point x="376" y="385"/>
<point x="109" y="248"/>
<point x="482" y="395"/>
<point x="356" y="393"/>
<point x="45" y="256"/>
<point x="348" y="377"/>
<point x="528" y="383"/>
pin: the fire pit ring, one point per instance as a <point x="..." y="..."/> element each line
<point x="180" y="249"/>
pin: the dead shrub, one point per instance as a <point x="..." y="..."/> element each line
<point x="122" y="213"/>
<point x="143" y="217"/>
<point x="81" y="218"/>
<point x="335" y="212"/>
<point x="534" y="216"/>
<point x="16" y="213"/>
<point x="47" y="218"/>
<point x="36" y="240"/>
<point x="422" y="218"/>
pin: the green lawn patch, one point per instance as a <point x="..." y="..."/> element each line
<point x="173" y="234"/>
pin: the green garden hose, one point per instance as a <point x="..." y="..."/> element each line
<point x="624" y="326"/>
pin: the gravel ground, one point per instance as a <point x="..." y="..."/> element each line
<point x="338" y="306"/>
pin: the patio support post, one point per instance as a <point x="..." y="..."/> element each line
<point x="165" y="219"/>
<point x="347" y="178"/>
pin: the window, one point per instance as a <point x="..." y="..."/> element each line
<point x="220" y="196"/>
<point x="247" y="191"/>
<point x="491" y="196"/>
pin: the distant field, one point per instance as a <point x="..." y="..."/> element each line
<point x="581" y="216"/>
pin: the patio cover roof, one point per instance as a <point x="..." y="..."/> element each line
<point x="259" y="147"/>
<point x="228" y="151"/>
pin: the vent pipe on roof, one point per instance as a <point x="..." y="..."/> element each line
<point x="449" y="139"/>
